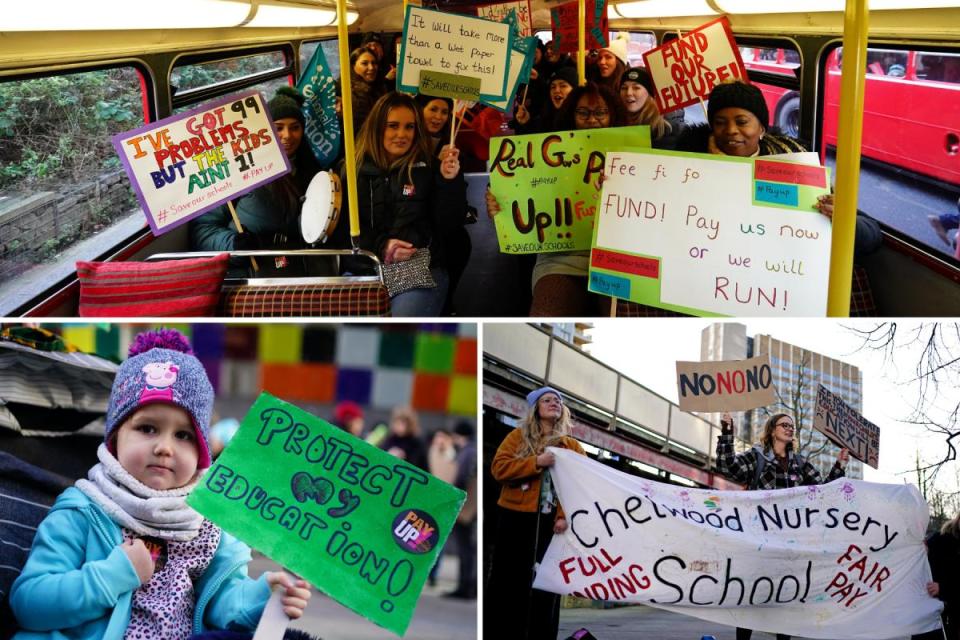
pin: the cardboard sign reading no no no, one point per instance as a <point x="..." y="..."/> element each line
<point x="732" y="385"/>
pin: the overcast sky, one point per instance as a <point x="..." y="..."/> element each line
<point x="647" y="350"/>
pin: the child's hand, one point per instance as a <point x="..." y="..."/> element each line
<point x="296" y="596"/>
<point x="140" y="559"/>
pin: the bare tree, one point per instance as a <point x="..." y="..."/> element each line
<point x="937" y="353"/>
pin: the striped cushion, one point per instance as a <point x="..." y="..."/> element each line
<point x="162" y="288"/>
<point x="340" y="299"/>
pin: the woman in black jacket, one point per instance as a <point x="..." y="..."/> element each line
<point x="408" y="199"/>
<point x="943" y="554"/>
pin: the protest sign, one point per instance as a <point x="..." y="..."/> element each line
<point x="357" y="523"/>
<point x="499" y="12"/>
<point x="704" y="234"/>
<point x="732" y="385"/>
<point x="846" y="427"/>
<point x="322" y="129"/>
<point x="187" y="164"/>
<point x="457" y="44"/>
<point x="448" y="85"/>
<point x="841" y="560"/>
<point x="548" y="184"/>
<point x="565" y="23"/>
<point x="685" y="70"/>
<point x="521" y="62"/>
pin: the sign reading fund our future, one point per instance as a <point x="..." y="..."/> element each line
<point x="548" y="184"/>
<point x="685" y="70"/>
<point x="846" y="427"/>
<point x="841" y="560"/>
<point x="712" y="235"/>
<point x="456" y="44"/>
<point x="187" y="164"/>
<point x="732" y="385"/>
<point x="357" y="523"/>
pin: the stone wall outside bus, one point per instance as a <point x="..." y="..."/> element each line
<point x="34" y="227"/>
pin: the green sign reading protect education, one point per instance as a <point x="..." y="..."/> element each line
<point x="548" y="185"/>
<point x="359" y="524"/>
<point x="448" y="85"/>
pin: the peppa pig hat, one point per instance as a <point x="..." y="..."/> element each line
<point x="161" y="368"/>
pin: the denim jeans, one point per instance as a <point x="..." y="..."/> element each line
<point x="426" y="303"/>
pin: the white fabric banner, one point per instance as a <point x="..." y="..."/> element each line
<point x="841" y="560"/>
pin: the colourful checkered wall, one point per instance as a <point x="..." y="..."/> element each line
<point x="432" y="367"/>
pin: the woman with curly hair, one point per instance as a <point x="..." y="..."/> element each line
<point x="528" y="515"/>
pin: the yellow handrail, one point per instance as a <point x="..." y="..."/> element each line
<point x="849" y="133"/>
<point x="582" y="42"/>
<point x="347" y="110"/>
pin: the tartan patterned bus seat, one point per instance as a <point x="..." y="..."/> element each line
<point x="309" y="300"/>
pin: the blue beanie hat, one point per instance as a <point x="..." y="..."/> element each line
<point x="161" y="368"/>
<point x="534" y="395"/>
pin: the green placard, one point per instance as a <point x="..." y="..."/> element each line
<point x="359" y="524"/>
<point x="548" y="185"/>
<point x="449" y="85"/>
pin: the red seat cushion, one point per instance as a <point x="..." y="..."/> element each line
<point x="163" y="288"/>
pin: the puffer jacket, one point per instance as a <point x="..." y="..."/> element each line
<point x="394" y="207"/>
<point x="78" y="583"/>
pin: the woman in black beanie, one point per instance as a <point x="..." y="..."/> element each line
<point x="270" y="214"/>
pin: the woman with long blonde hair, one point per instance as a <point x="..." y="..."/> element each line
<point x="636" y="91"/>
<point x="407" y="199"/>
<point x="528" y="515"/>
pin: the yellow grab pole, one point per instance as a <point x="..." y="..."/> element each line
<point x="347" y="111"/>
<point x="582" y="42"/>
<point x="849" y="133"/>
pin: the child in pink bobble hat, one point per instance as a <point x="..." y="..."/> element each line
<point x="121" y="556"/>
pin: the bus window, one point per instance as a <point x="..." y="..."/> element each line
<point x="640" y="43"/>
<point x="63" y="194"/>
<point x="910" y="174"/>
<point x="330" y="52"/>
<point x="205" y="74"/>
<point x="783" y="100"/>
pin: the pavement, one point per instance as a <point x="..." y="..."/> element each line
<point x="435" y="618"/>
<point x="639" y="622"/>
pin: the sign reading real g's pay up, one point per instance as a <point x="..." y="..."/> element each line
<point x="359" y="524"/>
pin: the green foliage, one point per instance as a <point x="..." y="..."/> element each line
<point x="59" y="128"/>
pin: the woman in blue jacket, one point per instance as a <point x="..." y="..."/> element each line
<point x="408" y="200"/>
<point x="121" y="555"/>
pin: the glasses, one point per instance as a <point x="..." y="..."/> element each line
<point x="785" y="425"/>
<point x="586" y="114"/>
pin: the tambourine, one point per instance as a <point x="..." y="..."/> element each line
<point x="321" y="208"/>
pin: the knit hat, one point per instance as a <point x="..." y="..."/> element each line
<point x="534" y="395"/>
<point x="641" y="76"/>
<point x="287" y="103"/>
<point x="347" y="411"/>
<point x="567" y="74"/>
<point x="740" y="95"/>
<point x="161" y="369"/>
<point x="618" y="47"/>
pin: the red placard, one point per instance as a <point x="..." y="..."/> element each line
<point x="565" y="23"/>
<point x="625" y="263"/>
<point x="790" y="172"/>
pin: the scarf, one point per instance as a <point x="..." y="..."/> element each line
<point x="132" y="504"/>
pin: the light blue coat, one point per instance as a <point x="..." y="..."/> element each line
<point x="78" y="583"/>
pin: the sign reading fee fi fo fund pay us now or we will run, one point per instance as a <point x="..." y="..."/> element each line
<point x="356" y="522"/>
<point x="712" y="235"/>
<point x="185" y="165"/>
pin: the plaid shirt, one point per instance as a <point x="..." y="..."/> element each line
<point x="742" y="467"/>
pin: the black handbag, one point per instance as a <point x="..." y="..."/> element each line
<point x="409" y="274"/>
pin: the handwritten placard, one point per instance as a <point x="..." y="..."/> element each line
<point x="521" y="62"/>
<point x="322" y="128"/>
<point x="499" y="13"/>
<point x="733" y="385"/>
<point x="548" y="184"/>
<point x="565" y="23"/>
<point x="187" y="164"/>
<point x="359" y="524"/>
<point x="455" y="44"/>
<point x="448" y="85"/>
<point x="846" y="427"/>
<point x="698" y="234"/>
<point x="685" y="70"/>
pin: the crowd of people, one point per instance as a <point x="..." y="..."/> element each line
<point x="410" y="179"/>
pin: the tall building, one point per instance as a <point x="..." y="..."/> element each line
<point x="575" y="333"/>
<point x="797" y="373"/>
